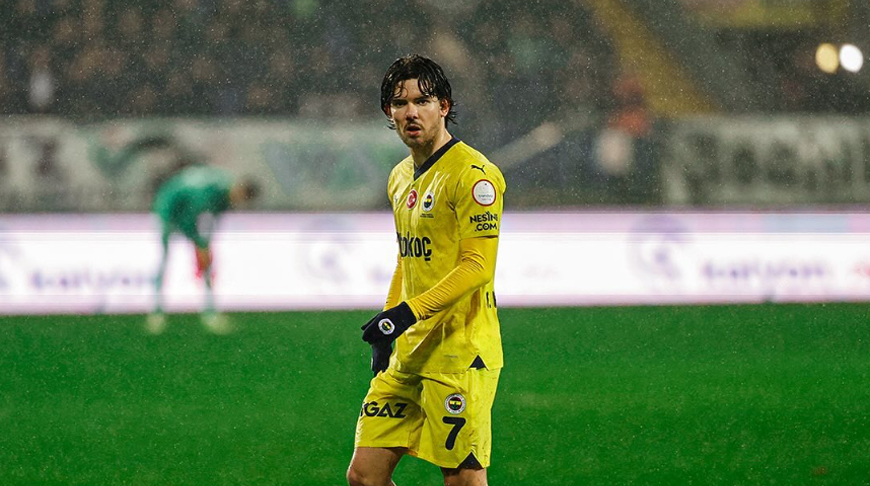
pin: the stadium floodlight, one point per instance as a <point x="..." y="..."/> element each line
<point x="827" y="58"/>
<point x="851" y="58"/>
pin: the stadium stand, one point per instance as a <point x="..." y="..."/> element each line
<point x="94" y="59"/>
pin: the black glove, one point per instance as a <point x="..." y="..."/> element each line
<point x="381" y="357"/>
<point x="389" y="324"/>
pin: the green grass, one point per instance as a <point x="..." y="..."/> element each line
<point x="721" y="395"/>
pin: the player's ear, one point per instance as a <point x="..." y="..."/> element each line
<point x="445" y="106"/>
<point x="387" y="111"/>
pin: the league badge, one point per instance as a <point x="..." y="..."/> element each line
<point x="483" y="192"/>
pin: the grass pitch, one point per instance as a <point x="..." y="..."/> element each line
<point x="707" y="395"/>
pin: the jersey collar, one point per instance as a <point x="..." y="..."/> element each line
<point x="434" y="157"/>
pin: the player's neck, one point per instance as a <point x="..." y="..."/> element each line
<point x="422" y="153"/>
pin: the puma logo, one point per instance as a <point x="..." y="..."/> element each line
<point x="480" y="168"/>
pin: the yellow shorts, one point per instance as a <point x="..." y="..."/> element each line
<point x="443" y="418"/>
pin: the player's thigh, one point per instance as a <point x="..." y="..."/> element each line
<point x="373" y="465"/>
<point x="464" y="477"/>
<point x="391" y="415"/>
<point x="458" y="432"/>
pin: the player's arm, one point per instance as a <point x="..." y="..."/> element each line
<point x="188" y="225"/>
<point x="381" y="351"/>
<point x="477" y="200"/>
<point x="476" y="268"/>
<point x="394" y="295"/>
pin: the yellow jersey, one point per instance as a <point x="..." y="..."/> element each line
<point x="456" y="194"/>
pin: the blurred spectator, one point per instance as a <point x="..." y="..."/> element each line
<point x="43" y="85"/>
<point x="92" y="21"/>
<point x="82" y="79"/>
<point x="280" y="79"/>
<point x="625" y="149"/>
<point x="143" y="100"/>
<point x="129" y="31"/>
<point x="52" y="191"/>
<point x="259" y="98"/>
<point x="65" y="39"/>
<point x="6" y="94"/>
<point x="631" y="114"/>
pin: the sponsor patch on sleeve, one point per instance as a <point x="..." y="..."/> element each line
<point x="483" y="192"/>
<point x="484" y="222"/>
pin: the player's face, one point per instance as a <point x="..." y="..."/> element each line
<point x="419" y="118"/>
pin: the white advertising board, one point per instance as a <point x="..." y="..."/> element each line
<point x="105" y="263"/>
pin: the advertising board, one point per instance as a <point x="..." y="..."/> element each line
<point x="105" y="263"/>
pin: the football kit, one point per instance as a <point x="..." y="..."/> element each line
<point x="436" y="396"/>
<point x="182" y="201"/>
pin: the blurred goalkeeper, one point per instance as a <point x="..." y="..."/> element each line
<point x="189" y="203"/>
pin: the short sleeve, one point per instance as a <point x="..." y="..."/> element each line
<point x="479" y="202"/>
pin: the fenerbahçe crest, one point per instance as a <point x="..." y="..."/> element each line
<point x="428" y="201"/>
<point x="386" y="326"/>
<point x="455" y="404"/>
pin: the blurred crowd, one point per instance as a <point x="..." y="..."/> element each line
<point x="515" y="60"/>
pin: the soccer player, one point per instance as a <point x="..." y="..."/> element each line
<point x="432" y="393"/>
<point x="189" y="203"/>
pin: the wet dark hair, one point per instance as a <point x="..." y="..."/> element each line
<point x="430" y="79"/>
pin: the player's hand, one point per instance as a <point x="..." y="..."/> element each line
<point x="203" y="260"/>
<point x="381" y="357"/>
<point x="389" y="324"/>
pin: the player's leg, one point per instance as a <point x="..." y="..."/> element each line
<point x="464" y="476"/>
<point x="388" y="427"/>
<point x="457" y="430"/>
<point x="156" y="322"/>
<point x="161" y="271"/>
<point x="214" y="322"/>
<point x="205" y="271"/>
<point x="209" y="292"/>
<point x="374" y="466"/>
<point x="205" y="261"/>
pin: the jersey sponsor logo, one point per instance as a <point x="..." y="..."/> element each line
<point x="412" y="199"/>
<point x="455" y="404"/>
<point x="415" y="246"/>
<point x="483" y="192"/>
<point x="484" y="222"/>
<point x="373" y="409"/>
<point x="428" y="201"/>
<point x="386" y="326"/>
